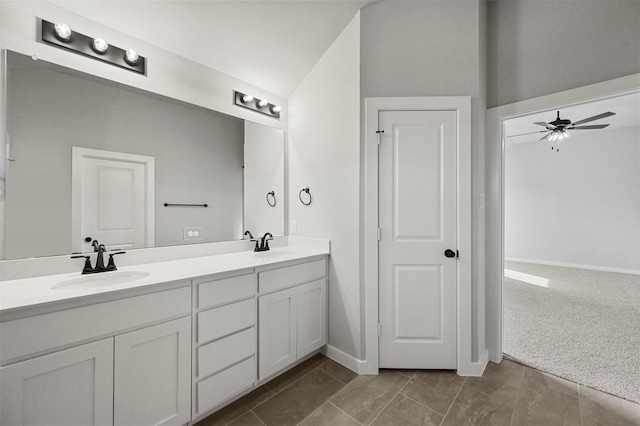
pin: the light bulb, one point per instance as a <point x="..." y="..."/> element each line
<point x="63" y="32"/>
<point x="263" y="103"/>
<point x="275" y="109"/>
<point x="131" y="57"/>
<point x="247" y="98"/>
<point x="100" y="45"/>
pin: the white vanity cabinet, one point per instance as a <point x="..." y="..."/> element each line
<point x="69" y="387"/>
<point x="151" y="383"/>
<point x="224" y="350"/>
<point x="292" y="310"/>
<point x="82" y="365"/>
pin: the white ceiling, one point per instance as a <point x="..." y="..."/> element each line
<point x="270" y="44"/>
<point x="626" y="107"/>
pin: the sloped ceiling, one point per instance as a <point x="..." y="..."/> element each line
<point x="270" y="44"/>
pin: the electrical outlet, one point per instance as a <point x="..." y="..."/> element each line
<point x="293" y="227"/>
<point x="192" y="234"/>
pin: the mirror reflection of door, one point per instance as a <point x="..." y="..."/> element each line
<point x="112" y="199"/>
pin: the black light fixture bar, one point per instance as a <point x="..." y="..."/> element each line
<point x="269" y="109"/>
<point x="81" y="44"/>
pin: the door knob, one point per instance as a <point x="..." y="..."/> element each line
<point x="449" y="253"/>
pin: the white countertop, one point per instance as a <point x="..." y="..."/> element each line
<point x="30" y="292"/>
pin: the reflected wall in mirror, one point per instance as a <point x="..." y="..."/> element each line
<point x="198" y="157"/>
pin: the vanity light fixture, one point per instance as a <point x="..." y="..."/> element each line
<point x="100" y="45"/>
<point x="258" y="105"/>
<point x="63" y="32"/>
<point x="60" y="35"/>
<point x="131" y="57"/>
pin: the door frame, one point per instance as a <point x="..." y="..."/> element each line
<point x="462" y="106"/>
<point x="495" y="185"/>
<point x="77" y="155"/>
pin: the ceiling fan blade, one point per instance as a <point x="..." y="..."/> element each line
<point x="546" y="136"/>
<point x="543" y="124"/>
<point x="593" y="126"/>
<point x="528" y="133"/>
<point x="595" y="117"/>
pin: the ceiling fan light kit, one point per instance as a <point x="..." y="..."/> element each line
<point x="558" y="129"/>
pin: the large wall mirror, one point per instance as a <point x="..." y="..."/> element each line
<point x="93" y="159"/>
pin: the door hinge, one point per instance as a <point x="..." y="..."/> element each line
<point x="379" y="329"/>
<point x="379" y="234"/>
<point x="379" y="133"/>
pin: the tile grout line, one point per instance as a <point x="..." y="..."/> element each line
<point x="392" y="398"/>
<point x="338" y="408"/>
<point x="515" y="404"/>
<point x="257" y="416"/>
<point x="454" y="400"/>
<point x="276" y="393"/>
<point x="580" y="406"/>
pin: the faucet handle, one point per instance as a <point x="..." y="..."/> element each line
<point x="111" y="266"/>
<point x="87" y="264"/>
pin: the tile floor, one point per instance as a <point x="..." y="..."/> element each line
<point x="322" y="392"/>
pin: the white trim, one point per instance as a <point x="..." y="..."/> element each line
<point x="495" y="184"/>
<point x="346" y="360"/>
<point x="475" y="369"/>
<point x="77" y="154"/>
<point x="574" y="265"/>
<point x="462" y="105"/>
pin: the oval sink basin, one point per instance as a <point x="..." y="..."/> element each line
<point x="272" y="254"/>
<point x="102" y="279"/>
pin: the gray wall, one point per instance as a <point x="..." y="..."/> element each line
<point x="199" y="155"/>
<point x="543" y="47"/>
<point x="434" y="48"/>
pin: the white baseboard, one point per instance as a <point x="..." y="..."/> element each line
<point x="346" y="360"/>
<point x="575" y="265"/>
<point x="475" y="369"/>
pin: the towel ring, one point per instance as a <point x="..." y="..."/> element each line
<point x="271" y="198"/>
<point x="308" y="193"/>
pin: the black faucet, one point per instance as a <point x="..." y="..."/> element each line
<point x="100" y="249"/>
<point x="249" y="234"/>
<point x="264" y="242"/>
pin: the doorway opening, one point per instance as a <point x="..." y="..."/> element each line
<point x="572" y="244"/>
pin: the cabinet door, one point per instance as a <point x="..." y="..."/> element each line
<point x="277" y="331"/>
<point x="69" y="387"/>
<point x="153" y="375"/>
<point x="311" y="304"/>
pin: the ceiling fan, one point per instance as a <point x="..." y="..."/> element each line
<point x="558" y="129"/>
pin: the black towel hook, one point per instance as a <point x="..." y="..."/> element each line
<point x="308" y="193"/>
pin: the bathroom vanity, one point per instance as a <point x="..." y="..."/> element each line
<point x="171" y="343"/>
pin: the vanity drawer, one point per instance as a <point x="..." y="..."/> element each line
<point x="276" y="279"/>
<point x="226" y="384"/>
<point x="228" y="319"/>
<point x="222" y="353"/>
<point x="218" y="292"/>
<point x="43" y="333"/>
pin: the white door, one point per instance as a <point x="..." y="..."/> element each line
<point x="418" y="223"/>
<point x="113" y="199"/>
<point x="153" y="375"/>
<point x="69" y="387"/>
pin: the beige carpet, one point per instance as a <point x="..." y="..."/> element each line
<point x="578" y="324"/>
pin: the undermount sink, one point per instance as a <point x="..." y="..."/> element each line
<point x="102" y="279"/>
<point x="272" y="254"/>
